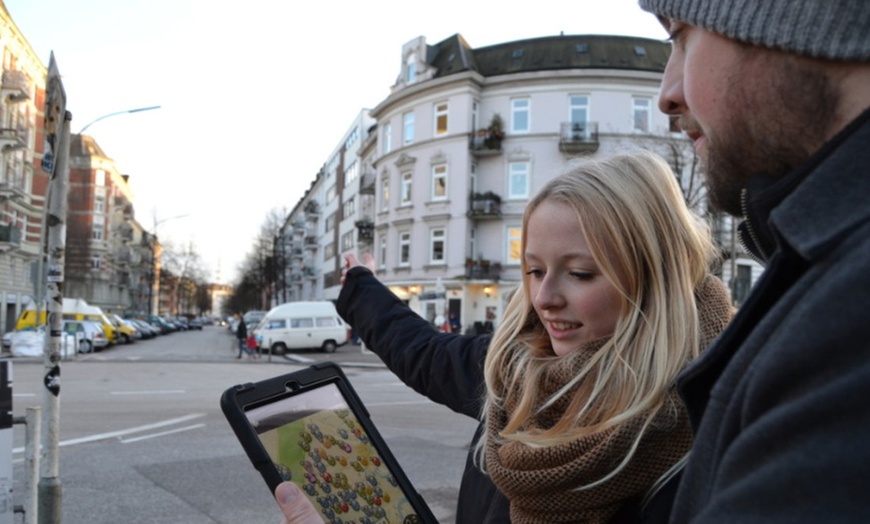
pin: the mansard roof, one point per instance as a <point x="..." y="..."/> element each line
<point x="454" y="55"/>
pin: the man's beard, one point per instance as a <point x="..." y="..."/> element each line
<point x="774" y="128"/>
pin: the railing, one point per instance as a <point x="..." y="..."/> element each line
<point x="15" y="86"/>
<point x="485" y="143"/>
<point x="367" y="184"/>
<point x="483" y="205"/>
<point x="578" y="137"/>
<point x="482" y="270"/>
<point x="12" y="138"/>
<point x="10" y="234"/>
<point x="365" y="230"/>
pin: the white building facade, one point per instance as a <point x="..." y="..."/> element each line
<point x="437" y="189"/>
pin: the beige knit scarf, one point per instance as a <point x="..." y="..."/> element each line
<point x="540" y="481"/>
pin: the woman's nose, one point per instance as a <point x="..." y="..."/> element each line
<point x="548" y="295"/>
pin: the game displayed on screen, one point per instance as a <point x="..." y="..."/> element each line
<point x="316" y="441"/>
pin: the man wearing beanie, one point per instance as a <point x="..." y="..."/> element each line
<point x="775" y="95"/>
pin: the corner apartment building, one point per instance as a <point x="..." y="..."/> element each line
<point x="22" y="181"/>
<point x="109" y="255"/>
<point x="463" y="141"/>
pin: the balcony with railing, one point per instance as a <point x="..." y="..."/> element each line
<point x="312" y="210"/>
<point x="365" y="230"/>
<point x="10" y="236"/>
<point x="14" y="86"/>
<point x="367" y="184"/>
<point x="484" y="205"/>
<point x="10" y="192"/>
<point x="12" y="138"/>
<point x="578" y="137"/>
<point x="482" y="269"/>
<point x="484" y="142"/>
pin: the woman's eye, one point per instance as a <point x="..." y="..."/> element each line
<point x="535" y="273"/>
<point x="582" y="275"/>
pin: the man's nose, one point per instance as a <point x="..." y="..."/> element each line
<point x="671" y="96"/>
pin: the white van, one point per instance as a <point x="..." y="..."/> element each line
<point x="302" y="325"/>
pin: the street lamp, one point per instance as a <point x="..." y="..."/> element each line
<point x="137" y="110"/>
<point x="154" y="292"/>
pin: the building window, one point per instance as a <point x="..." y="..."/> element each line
<point x="349" y="208"/>
<point x="404" y="249"/>
<point x="382" y="259"/>
<point x="579" y="111"/>
<point x="330" y="222"/>
<point x="411" y="69"/>
<point x="520" y="115"/>
<point x="439" y="182"/>
<point x="96" y="262"/>
<point x="441" y="119"/>
<point x="475" y="116"/>
<point x="328" y="251"/>
<point x="514" y="245"/>
<point x="387" y="138"/>
<point x="330" y="194"/>
<point x="351" y="173"/>
<point x="437" y="243"/>
<point x="385" y="192"/>
<point x="408" y="132"/>
<point x="347" y="241"/>
<point x="407" y="178"/>
<point x="99" y="205"/>
<point x="99" y="177"/>
<point x="518" y="180"/>
<point x="642" y="114"/>
<point x="97" y="231"/>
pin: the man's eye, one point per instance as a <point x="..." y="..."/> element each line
<point x="675" y="30"/>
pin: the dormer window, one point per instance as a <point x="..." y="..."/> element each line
<point x="411" y="69"/>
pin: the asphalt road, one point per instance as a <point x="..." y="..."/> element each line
<point x="143" y="440"/>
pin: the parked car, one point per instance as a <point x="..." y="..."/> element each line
<point x="147" y="329"/>
<point x="10" y="336"/>
<point x="125" y="332"/>
<point x="90" y="335"/>
<point x="195" y="324"/>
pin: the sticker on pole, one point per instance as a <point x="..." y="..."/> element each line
<point x="52" y="380"/>
<point x="55" y="273"/>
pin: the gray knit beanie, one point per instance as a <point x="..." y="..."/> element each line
<point x="830" y="29"/>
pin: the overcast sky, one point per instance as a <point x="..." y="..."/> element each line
<point x="254" y="95"/>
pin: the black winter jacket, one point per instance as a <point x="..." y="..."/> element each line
<point x="779" y="403"/>
<point x="446" y="368"/>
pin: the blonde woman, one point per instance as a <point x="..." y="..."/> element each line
<point x="579" y="415"/>
<point x="616" y="299"/>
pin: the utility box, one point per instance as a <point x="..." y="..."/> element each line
<point x="7" y="509"/>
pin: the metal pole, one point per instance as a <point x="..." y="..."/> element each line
<point x="49" y="482"/>
<point x="137" y="110"/>
<point x="31" y="462"/>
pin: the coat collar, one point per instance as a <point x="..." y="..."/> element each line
<point x="811" y="208"/>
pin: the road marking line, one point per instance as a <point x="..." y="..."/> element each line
<point x="150" y="392"/>
<point x="121" y="433"/>
<point x="161" y="434"/>
<point x="297" y="358"/>
<point x="408" y="403"/>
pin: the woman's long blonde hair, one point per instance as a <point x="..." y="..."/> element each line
<point x="656" y="251"/>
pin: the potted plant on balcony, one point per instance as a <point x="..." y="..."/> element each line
<point x="486" y="203"/>
<point x="494" y="133"/>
